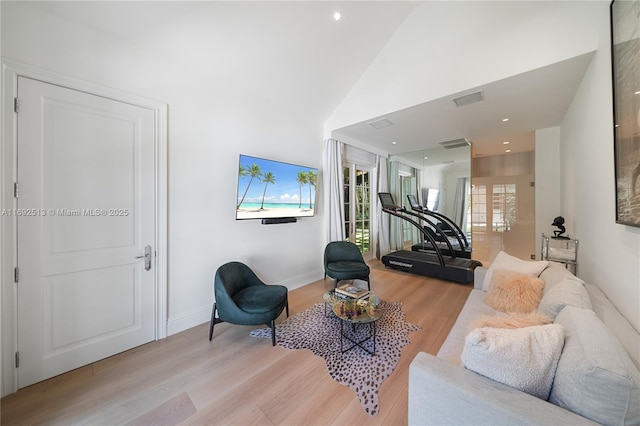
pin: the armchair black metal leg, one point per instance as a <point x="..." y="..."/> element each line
<point x="368" y="283"/>
<point x="273" y="332"/>
<point x="213" y="320"/>
<point x="287" y="308"/>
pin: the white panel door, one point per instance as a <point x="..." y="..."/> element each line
<point x="85" y="215"/>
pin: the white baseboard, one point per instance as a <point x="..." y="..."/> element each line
<point x="202" y="314"/>
<point x="189" y="319"/>
<point x="302" y="280"/>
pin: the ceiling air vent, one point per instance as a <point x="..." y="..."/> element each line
<point x="379" y="124"/>
<point x="455" y="143"/>
<point x="468" y="99"/>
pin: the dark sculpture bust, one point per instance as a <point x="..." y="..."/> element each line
<point x="559" y="223"/>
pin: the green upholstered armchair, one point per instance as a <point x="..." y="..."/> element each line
<point x="343" y="261"/>
<point x="241" y="298"/>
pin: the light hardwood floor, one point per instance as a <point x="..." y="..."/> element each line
<point x="238" y="379"/>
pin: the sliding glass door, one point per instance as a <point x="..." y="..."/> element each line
<point x="503" y="217"/>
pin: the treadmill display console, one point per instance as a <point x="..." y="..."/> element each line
<point x="386" y="199"/>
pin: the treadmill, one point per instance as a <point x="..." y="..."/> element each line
<point x="444" y="229"/>
<point x="431" y="264"/>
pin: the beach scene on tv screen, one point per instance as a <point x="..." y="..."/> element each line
<point x="270" y="189"/>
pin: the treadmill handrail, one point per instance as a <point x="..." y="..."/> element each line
<point x="463" y="245"/>
<point x="449" y="222"/>
<point x="417" y="225"/>
<point x="438" y="230"/>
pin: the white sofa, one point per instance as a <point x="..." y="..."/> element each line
<point x="441" y="391"/>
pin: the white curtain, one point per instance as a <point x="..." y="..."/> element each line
<point x="383" y="221"/>
<point x="333" y="181"/>
<point x="395" y="233"/>
<point x="460" y="202"/>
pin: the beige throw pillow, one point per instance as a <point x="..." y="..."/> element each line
<point x="512" y="292"/>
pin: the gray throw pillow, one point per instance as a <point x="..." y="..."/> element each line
<point x="568" y="292"/>
<point x="555" y="273"/>
<point x="595" y="376"/>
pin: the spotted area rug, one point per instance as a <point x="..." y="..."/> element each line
<point x="363" y="373"/>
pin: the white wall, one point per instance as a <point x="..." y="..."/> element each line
<point x="209" y="126"/>
<point x="445" y="47"/>
<point x="547" y="178"/>
<point x="609" y="254"/>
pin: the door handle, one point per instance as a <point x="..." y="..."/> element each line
<point x="147" y="257"/>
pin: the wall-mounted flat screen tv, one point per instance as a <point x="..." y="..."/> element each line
<point x="272" y="189"/>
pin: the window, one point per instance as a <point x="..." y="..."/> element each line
<point x="479" y="208"/>
<point x="504" y="207"/>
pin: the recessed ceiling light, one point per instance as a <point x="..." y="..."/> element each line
<point x="394" y="142"/>
<point x="507" y="150"/>
<point x="426" y="158"/>
<point x="505" y="143"/>
<point x="505" y="119"/>
<point x="337" y="16"/>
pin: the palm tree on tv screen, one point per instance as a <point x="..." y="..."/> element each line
<point x="303" y="179"/>
<point x="312" y="183"/>
<point x="253" y="171"/>
<point x="267" y="179"/>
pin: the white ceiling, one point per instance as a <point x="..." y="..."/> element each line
<point x="294" y="54"/>
<point x="534" y="100"/>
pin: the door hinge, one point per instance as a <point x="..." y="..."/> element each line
<point x="16" y="189"/>
<point x="17" y="359"/>
<point x="16" y="105"/>
<point x="16" y="274"/>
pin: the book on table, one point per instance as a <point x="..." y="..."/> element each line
<point x="349" y="290"/>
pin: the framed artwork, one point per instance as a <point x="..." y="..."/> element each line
<point x="625" y="58"/>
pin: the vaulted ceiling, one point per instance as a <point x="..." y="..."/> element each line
<point x="291" y="53"/>
<point x="296" y="54"/>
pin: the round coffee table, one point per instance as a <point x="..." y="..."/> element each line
<point x="355" y="313"/>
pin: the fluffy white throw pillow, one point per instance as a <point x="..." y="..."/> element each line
<point x="523" y="358"/>
<point x="506" y="262"/>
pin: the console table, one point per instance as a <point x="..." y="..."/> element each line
<point x="562" y="250"/>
